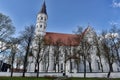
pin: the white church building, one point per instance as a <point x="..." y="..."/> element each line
<point x="59" y="55"/>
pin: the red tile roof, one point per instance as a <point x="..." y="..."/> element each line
<point x="61" y="39"/>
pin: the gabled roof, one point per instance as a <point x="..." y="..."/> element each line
<point x="61" y="39"/>
<point x="84" y="32"/>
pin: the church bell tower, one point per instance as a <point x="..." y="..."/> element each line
<point x="41" y="22"/>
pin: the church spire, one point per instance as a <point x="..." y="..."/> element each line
<point x="41" y="23"/>
<point x="43" y="9"/>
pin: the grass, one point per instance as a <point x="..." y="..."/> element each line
<point x="32" y="78"/>
<point x="21" y="78"/>
<point x="93" y="79"/>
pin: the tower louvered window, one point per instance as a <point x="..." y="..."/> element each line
<point x="41" y="18"/>
<point x="40" y="26"/>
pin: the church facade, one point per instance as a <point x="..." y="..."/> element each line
<point x="59" y="53"/>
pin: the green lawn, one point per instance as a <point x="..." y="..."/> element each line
<point x="20" y="78"/>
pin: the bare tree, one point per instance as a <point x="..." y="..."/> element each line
<point x="47" y="58"/>
<point x="109" y="55"/>
<point x="6" y="30"/>
<point x="6" y="27"/>
<point x="19" y="58"/>
<point x="27" y="37"/>
<point x="89" y="60"/>
<point x="98" y="52"/>
<point x="56" y="55"/>
<point x="47" y="42"/>
<point x="38" y="50"/>
<point x="65" y="50"/>
<point x="115" y="38"/>
<point x="84" y="46"/>
<point x="14" y="45"/>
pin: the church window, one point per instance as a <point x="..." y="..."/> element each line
<point x="61" y="67"/>
<point x="45" y="19"/>
<point x="41" y="18"/>
<point x="40" y="26"/>
<point x="37" y="26"/>
<point x="44" y="27"/>
<point x="54" y="67"/>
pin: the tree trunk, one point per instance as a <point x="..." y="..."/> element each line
<point x="99" y="53"/>
<point x="108" y="75"/>
<point x="55" y="67"/>
<point x="24" y="66"/>
<point x="13" y="57"/>
<point x="35" y="67"/>
<point x="38" y="57"/>
<point x="48" y="60"/>
<point x="90" y="67"/>
<point x="58" y="67"/>
<point x="110" y="70"/>
<point x="117" y="51"/>
<point x="12" y="69"/>
<point x="110" y="64"/>
<point x="25" y="59"/>
<point x="101" y="63"/>
<point x="77" y="67"/>
<point x="64" y="68"/>
<point x="47" y="67"/>
<point x="70" y="66"/>
<point x="38" y="69"/>
<point x="84" y="67"/>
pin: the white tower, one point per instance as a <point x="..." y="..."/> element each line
<point x="41" y="23"/>
<point x="40" y="30"/>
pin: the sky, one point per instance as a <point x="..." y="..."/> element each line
<point x="64" y="16"/>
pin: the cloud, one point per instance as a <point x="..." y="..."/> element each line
<point x="114" y="23"/>
<point x="116" y="4"/>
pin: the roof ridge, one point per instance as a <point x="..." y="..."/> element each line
<point x="60" y="33"/>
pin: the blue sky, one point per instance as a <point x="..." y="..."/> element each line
<point x="64" y="15"/>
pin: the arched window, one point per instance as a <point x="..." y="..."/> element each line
<point x="41" y="18"/>
<point x="40" y="26"/>
<point x="45" y="19"/>
<point x="44" y="27"/>
<point x="37" y="26"/>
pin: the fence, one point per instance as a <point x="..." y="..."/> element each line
<point x="99" y="75"/>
